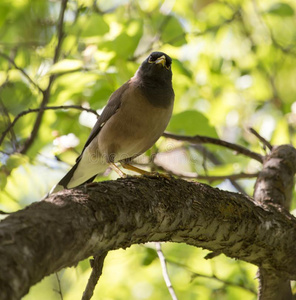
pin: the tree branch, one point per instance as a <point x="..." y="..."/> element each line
<point x="97" y="268"/>
<point x="46" y="94"/>
<point x="74" y="224"/>
<point x="273" y="188"/>
<point x="22" y="71"/>
<point x="261" y="138"/>
<point x="209" y="178"/>
<point x="218" y="162"/>
<point x="165" y="272"/>
<point x="25" y="112"/>
<point x="200" y="139"/>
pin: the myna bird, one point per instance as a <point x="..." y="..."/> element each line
<point x="134" y="118"/>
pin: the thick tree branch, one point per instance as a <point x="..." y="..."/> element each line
<point x="274" y="188"/>
<point x="74" y="224"/>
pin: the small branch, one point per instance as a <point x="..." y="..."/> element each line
<point x="165" y="271"/>
<point x="97" y="267"/>
<point x="200" y="139"/>
<point x="213" y="277"/>
<point x="22" y="71"/>
<point x="25" y="112"/>
<point x="47" y="92"/>
<point x="5" y="112"/>
<point x="261" y="138"/>
<point x="226" y="282"/>
<point x="209" y="178"/>
<point x="59" y="290"/>
<point x="218" y="162"/>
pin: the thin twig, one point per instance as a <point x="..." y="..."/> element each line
<point x="218" y="162"/>
<point x="22" y="71"/>
<point x="214" y="277"/>
<point x="59" y="289"/>
<point x="165" y="271"/>
<point x="46" y="94"/>
<point x="97" y="267"/>
<point x="226" y="282"/>
<point x="261" y="138"/>
<point x="5" y="112"/>
<point x="200" y="139"/>
<point x="230" y="176"/>
<point x="210" y="178"/>
<point x="25" y="112"/>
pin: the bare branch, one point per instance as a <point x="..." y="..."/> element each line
<point x="165" y="273"/>
<point x="226" y="282"/>
<point x="25" y="112"/>
<point x="74" y="224"/>
<point x="273" y="188"/>
<point x="46" y="94"/>
<point x="59" y="289"/>
<point x="261" y="138"/>
<point x="218" y="162"/>
<point x="22" y="71"/>
<point x="200" y="139"/>
<point x="97" y="268"/>
<point x="13" y="137"/>
<point x="209" y="178"/>
<point x="213" y="277"/>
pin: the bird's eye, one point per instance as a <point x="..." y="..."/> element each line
<point x="151" y="60"/>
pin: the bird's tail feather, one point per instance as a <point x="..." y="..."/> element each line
<point x="66" y="180"/>
<point x="78" y="175"/>
<point x="63" y="183"/>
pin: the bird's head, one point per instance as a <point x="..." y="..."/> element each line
<point x="156" y="67"/>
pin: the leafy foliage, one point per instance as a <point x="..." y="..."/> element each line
<point x="234" y="64"/>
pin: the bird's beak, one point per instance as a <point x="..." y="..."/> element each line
<point x="161" y="60"/>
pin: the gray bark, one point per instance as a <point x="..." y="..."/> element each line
<point x="273" y="189"/>
<point x="74" y="224"/>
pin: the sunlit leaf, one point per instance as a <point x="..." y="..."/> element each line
<point x="66" y="65"/>
<point x="191" y="123"/>
<point x="281" y="9"/>
<point x="174" y="33"/>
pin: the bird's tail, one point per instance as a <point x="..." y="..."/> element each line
<point x="75" y="177"/>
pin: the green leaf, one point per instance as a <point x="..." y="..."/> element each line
<point x="15" y="160"/>
<point x="66" y="65"/>
<point x="281" y="9"/>
<point x="90" y="25"/>
<point x="173" y="32"/>
<point x="125" y="44"/>
<point x="150" y="256"/>
<point x="3" y="178"/>
<point x="191" y="122"/>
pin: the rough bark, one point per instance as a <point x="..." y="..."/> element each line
<point x="74" y="224"/>
<point x="273" y="188"/>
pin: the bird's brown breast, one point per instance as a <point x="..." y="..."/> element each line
<point x="134" y="128"/>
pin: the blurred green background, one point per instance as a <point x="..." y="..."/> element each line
<point x="234" y="66"/>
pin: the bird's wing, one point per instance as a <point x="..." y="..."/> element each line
<point x="112" y="106"/>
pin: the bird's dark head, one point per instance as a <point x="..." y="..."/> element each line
<point x="156" y="68"/>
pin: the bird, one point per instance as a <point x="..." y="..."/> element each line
<point x="133" y="119"/>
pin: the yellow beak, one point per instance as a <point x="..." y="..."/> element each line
<point x="161" y="60"/>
